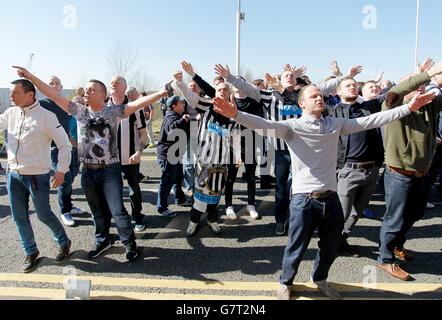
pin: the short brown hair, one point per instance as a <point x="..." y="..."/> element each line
<point x="301" y="94"/>
<point x="344" y="79"/>
<point x="219" y="78"/>
<point x="257" y="82"/>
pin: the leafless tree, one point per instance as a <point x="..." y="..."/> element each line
<point x="122" y="58"/>
<point x="141" y="80"/>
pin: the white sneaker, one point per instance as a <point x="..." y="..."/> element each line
<point x="191" y="229"/>
<point x="430" y="205"/>
<point x="67" y="220"/>
<point x="283" y="292"/>
<point x="230" y="213"/>
<point x="76" y="210"/>
<point x="215" y="227"/>
<point x="327" y="290"/>
<point x="252" y="211"/>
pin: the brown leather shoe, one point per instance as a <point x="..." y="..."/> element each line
<point x="395" y="271"/>
<point x="403" y="254"/>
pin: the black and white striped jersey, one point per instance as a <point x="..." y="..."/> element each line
<point x="277" y="106"/>
<point x="217" y="135"/>
<point x="129" y="134"/>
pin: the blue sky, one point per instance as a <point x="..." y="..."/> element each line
<point x="163" y="33"/>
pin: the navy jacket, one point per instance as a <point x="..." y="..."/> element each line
<point x="171" y="121"/>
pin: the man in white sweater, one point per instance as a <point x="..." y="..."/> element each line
<point x="312" y="141"/>
<point x="31" y="128"/>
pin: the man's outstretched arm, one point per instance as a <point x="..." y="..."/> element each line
<point x="48" y="91"/>
<point x="278" y="129"/>
<point x="142" y="102"/>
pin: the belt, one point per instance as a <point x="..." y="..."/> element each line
<point x="96" y="166"/>
<point x="418" y="174"/>
<point x="321" y="195"/>
<point x="360" y="165"/>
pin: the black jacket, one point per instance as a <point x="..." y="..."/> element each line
<point x="367" y="108"/>
<point x="171" y="121"/>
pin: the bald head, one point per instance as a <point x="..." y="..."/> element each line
<point x="386" y="84"/>
<point x="55" y="83"/>
<point x="118" y="86"/>
<point x="223" y="91"/>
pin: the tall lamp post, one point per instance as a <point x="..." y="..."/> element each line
<point x="240" y="16"/>
<point x="417" y="34"/>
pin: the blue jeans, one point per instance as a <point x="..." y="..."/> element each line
<point x="20" y="187"/>
<point x="131" y="172"/>
<point x="104" y="193"/>
<point x="74" y="168"/>
<point x="307" y="214"/>
<point x="283" y="184"/>
<point x="172" y="176"/>
<point x="405" y="200"/>
<point x="64" y="192"/>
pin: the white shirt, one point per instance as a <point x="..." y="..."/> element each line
<point x="30" y="133"/>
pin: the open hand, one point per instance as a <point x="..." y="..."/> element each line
<point x="221" y="71"/>
<point x="188" y="68"/>
<point x="335" y="69"/>
<point x="427" y="65"/>
<point x="420" y="100"/>
<point x="354" y="71"/>
<point x="273" y="82"/>
<point x="227" y="109"/>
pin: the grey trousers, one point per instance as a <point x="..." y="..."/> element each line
<point x="355" y="188"/>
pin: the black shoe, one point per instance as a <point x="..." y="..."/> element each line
<point x="266" y="185"/>
<point x="30" y="262"/>
<point x="98" y="249"/>
<point x="281" y="228"/>
<point x="64" y="253"/>
<point x="266" y="182"/>
<point x="349" y="250"/>
<point x="131" y="251"/>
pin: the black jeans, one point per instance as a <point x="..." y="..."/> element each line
<point x="251" y="183"/>
<point x="131" y="172"/>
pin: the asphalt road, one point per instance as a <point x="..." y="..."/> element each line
<point x="244" y="262"/>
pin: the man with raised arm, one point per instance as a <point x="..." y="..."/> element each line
<point x="312" y="141"/>
<point x="247" y="148"/>
<point x="216" y="137"/>
<point x="98" y="150"/>
<point x="279" y="106"/>
<point x="409" y="148"/>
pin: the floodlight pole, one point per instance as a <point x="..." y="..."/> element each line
<point x="417" y="34"/>
<point x="240" y="16"/>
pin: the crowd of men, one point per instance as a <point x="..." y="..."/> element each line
<point x="326" y="142"/>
